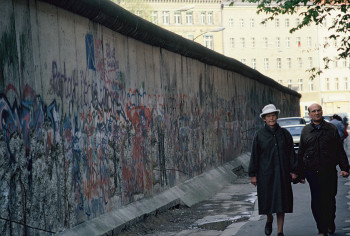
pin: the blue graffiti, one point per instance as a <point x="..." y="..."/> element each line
<point x="90" y="52"/>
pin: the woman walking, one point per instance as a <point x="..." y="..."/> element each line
<point x="272" y="168"/>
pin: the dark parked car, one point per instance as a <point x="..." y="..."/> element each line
<point x="291" y="121"/>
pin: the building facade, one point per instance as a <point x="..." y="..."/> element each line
<point x="237" y="31"/>
<point x="334" y="90"/>
<point x="199" y="20"/>
<point x="271" y="49"/>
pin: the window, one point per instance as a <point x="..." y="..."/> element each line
<point x="279" y="63"/>
<point x="298" y="41"/>
<point x="242" y="42"/>
<point x="252" y="40"/>
<point x="344" y="63"/>
<point x="310" y="61"/>
<point x="230" y="22"/>
<point x="266" y="42"/>
<point x="346" y="83"/>
<point x="203" y="15"/>
<point x="325" y="44"/>
<point x="311" y="85"/>
<point x="280" y="81"/>
<point x="254" y="63"/>
<point x="289" y="83"/>
<point x="208" y="41"/>
<point x="306" y="112"/>
<point x="177" y="18"/>
<point x="289" y="63"/>
<point x="335" y="61"/>
<point x="335" y="43"/>
<point x="189" y="16"/>
<point x="241" y="23"/>
<point x="266" y="63"/>
<point x="252" y="23"/>
<point x="277" y="22"/>
<point x="210" y="18"/>
<point x="297" y="21"/>
<point x="165" y="17"/>
<point x="336" y="83"/>
<point x="327" y="84"/>
<point x="309" y="42"/>
<point x="326" y="62"/>
<point x="243" y="60"/>
<point x="138" y="13"/>
<point x="286" y="22"/>
<point x="300" y="84"/>
<point x="278" y="42"/>
<point x="154" y="17"/>
<point x="232" y="42"/>
<point x="287" y="42"/>
<point x="300" y="62"/>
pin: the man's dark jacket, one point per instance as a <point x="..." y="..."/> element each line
<point x="321" y="149"/>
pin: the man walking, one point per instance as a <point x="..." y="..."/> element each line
<point x="320" y="151"/>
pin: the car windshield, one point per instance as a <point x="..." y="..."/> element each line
<point x="327" y="118"/>
<point x="291" y="121"/>
<point x="295" y="130"/>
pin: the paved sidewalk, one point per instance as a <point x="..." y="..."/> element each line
<point x="301" y="222"/>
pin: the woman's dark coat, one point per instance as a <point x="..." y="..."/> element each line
<point x="272" y="160"/>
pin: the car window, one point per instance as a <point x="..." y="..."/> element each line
<point x="285" y="122"/>
<point x="295" y="131"/>
<point x="327" y="118"/>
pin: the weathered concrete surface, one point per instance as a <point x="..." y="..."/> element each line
<point x="188" y="193"/>
<point x="99" y="110"/>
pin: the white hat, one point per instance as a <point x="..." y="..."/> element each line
<point x="269" y="109"/>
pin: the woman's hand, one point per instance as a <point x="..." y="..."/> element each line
<point x="294" y="176"/>
<point x="253" y="180"/>
<point x="344" y="174"/>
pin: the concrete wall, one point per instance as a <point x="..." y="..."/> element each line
<point x="99" y="109"/>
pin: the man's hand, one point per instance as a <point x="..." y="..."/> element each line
<point x="302" y="181"/>
<point x="253" y="180"/>
<point x="344" y="174"/>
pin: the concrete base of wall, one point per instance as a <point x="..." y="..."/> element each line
<point x="189" y="193"/>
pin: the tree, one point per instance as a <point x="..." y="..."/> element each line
<point x="137" y="7"/>
<point x="316" y="11"/>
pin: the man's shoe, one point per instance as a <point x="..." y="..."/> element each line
<point x="268" y="228"/>
<point x="331" y="228"/>
<point x="280" y="234"/>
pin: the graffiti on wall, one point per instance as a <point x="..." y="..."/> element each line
<point x="99" y="143"/>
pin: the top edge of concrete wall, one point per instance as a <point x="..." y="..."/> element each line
<point x="116" y="18"/>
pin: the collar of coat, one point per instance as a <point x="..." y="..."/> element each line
<point x="323" y="125"/>
<point x="272" y="130"/>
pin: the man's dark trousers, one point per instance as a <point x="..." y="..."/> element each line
<point x="323" y="187"/>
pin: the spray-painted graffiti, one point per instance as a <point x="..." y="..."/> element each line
<point x="100" y="143"/>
